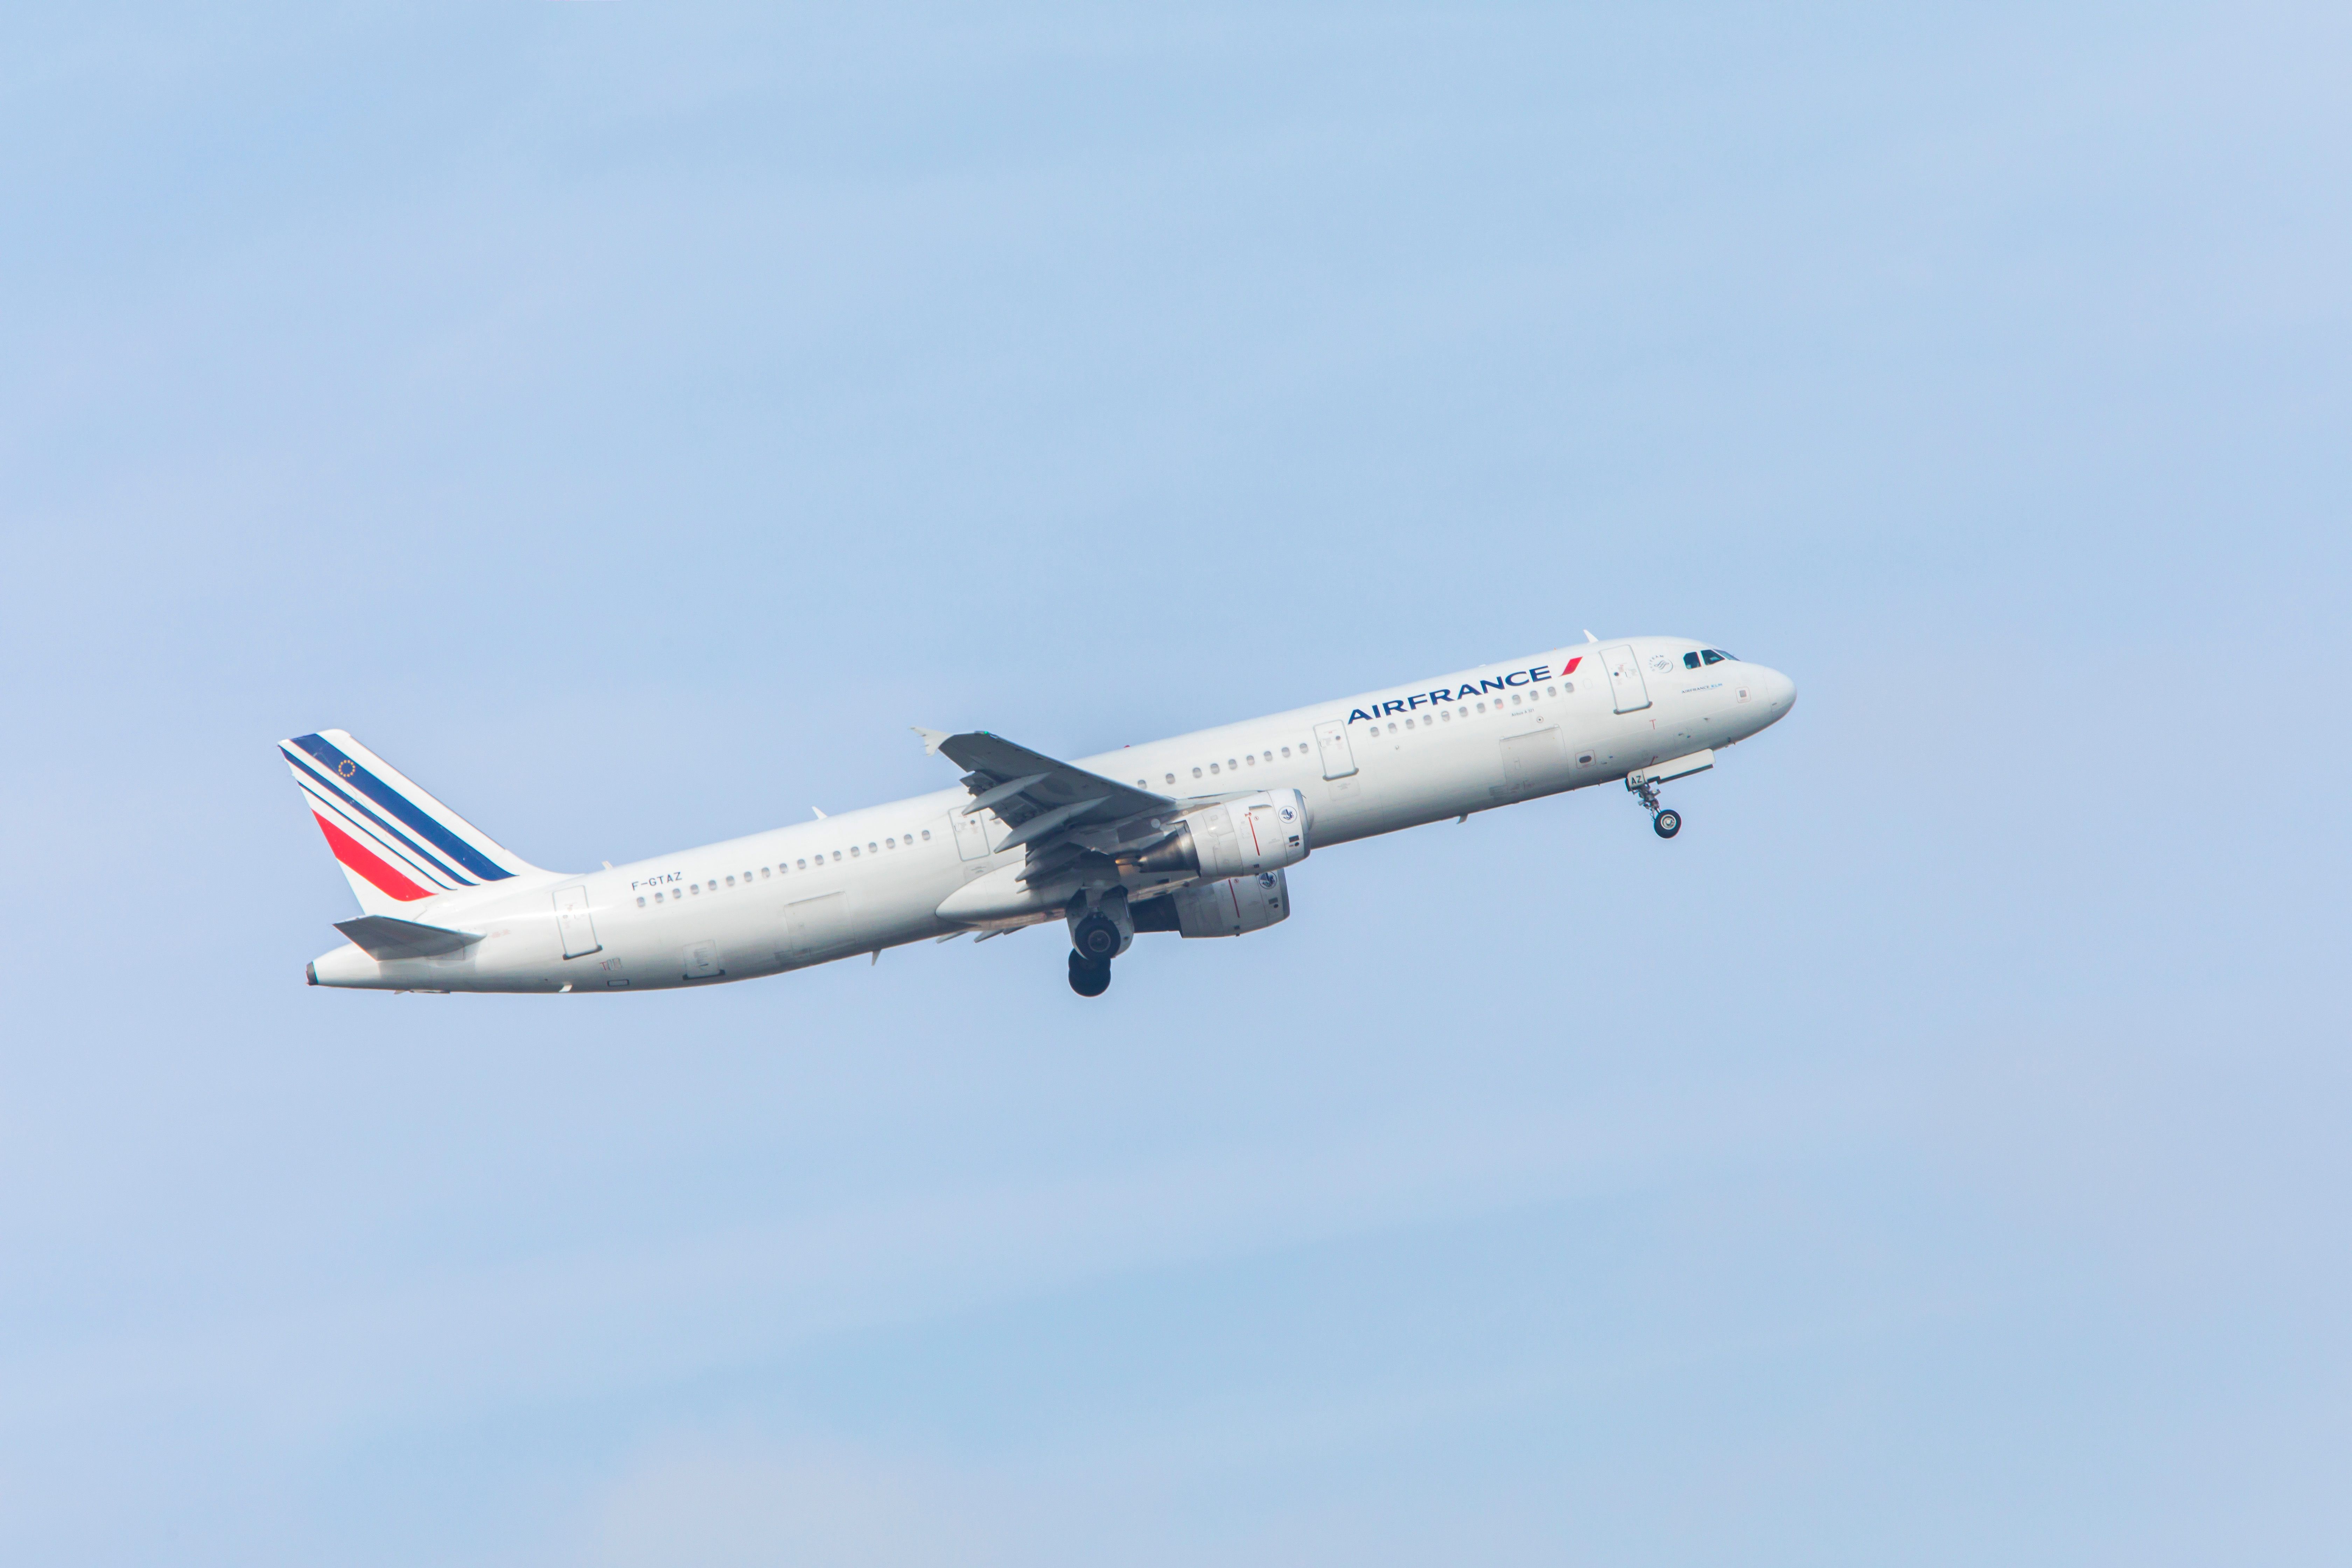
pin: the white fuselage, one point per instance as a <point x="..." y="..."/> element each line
<point x="865" y="880"/>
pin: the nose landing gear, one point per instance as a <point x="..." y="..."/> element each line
<point x="1665" y="821"/>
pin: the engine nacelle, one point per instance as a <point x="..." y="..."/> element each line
<point x="1262" y="832"/>
<point x="1233" y="907"/>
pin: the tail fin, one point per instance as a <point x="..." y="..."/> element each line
<point x="396" y="843"/>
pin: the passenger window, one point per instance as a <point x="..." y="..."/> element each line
<point x="927" y="836"/>
<point x="1551" y="691"/>
<point x="1392" y="726"/>
<point x="657" y="898"/>
<point x="1569" y="687"/>
<point x="1482" y="707"/>
<point x="1285" y="752"/>
<point x="873" y="849"/>
<point x="1196" y="773"/>
<point x="1231" y="764"/>
<point x="803" y="864"/>
<point x="1212" y="767"/>
<point x="695" y="888"/>
<point x="730" y="881"/>
<point x="853" y="852"/>
<point x="1712" y="657"/>
<point x="1408" y="724"/>
<point x="641" y="902"/>
<point x="1171" y="778"/>
<point x="836" y="857"/>
<point x="1515" y="700"/>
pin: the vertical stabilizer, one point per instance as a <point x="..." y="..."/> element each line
<point x="397" y="845"/>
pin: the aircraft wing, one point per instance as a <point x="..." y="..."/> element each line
<point x="1026" y="788"/>
<point x="1050" y="807"/>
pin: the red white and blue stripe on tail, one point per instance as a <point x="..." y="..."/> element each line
<point x="394" y="841"/>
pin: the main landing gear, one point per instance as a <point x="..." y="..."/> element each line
<point x="1088" y="976"/>
<point x="1100" y="929"/>
<point x="1665" y="821"/>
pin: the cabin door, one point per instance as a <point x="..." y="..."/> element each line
<point x="1339" y="757"/>
<point x="572" y="919"/>
<point x="1625" y="679"/>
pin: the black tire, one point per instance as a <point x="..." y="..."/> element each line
<point x="1089" y="979"/>
<point x="1096" y="938"/>
<point x="1668" y="823"/>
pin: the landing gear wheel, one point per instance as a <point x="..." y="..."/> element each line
<point x="1089" y="977"/>
<point x="1097" y="939"/>
<point x="1668" y="823"/>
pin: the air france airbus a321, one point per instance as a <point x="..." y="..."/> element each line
<point x="1194" y="835"/>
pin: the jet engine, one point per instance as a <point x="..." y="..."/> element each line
<point x="1262" y="832"/>
<point x="1233" y="907"/>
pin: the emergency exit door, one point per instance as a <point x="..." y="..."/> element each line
<point x="1339" y="757"/>
<point x="572" y="919"/>
<point x="971" y="834"/>
<point x="1626" y="682"/>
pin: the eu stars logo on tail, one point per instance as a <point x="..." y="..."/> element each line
<point x="397" y="845"/>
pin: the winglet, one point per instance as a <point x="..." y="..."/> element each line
<point x="932" y="739"/>
<point x="1589" y="638"/>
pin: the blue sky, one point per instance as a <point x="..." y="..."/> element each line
<point x="630" y="420"/>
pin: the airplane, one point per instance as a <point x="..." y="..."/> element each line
<point x="1194" y="835"/>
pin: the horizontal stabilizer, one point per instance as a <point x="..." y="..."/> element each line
<point x="381" y="937"/>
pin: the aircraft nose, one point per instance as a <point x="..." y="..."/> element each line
<point x="1779" y="692"/>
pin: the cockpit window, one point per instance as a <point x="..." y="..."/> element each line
<point x="1715" y="655"/>
<point x="1690" y="661"/>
